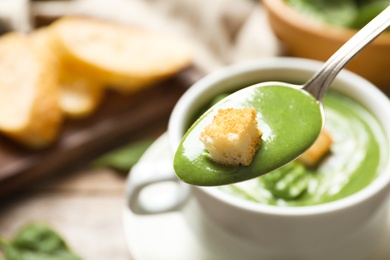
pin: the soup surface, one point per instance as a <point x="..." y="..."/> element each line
<point x="357" y="156"/>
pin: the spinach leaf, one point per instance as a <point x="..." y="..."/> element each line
<point x="37" y="241"/>
<point x="345" y="13"/>
<point x="336" y="12"/>
<point x="368" y="11"/>
<point x="124" y="158"/>
<point x="10" y="253"/>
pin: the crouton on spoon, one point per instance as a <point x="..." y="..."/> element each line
<point x="289" y="119"/>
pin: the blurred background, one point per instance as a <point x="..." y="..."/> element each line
<point x="76" y="184"/>
<point x="62" y="185"/>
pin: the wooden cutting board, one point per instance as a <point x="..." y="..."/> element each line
<point x="119" y="119"/>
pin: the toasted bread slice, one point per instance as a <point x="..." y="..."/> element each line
<point x="43" y="40"/>
<point x="233" y="136"/>
<point x="79" y="95"/>
<point x="29" y="112"/>
<point x="125" y="57"/>
<point x="318" y="150"/>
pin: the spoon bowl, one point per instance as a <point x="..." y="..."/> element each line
<point x="290" y="116"/>
<point x="277" y="106"/>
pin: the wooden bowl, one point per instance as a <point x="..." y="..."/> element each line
<point x="308" y="38"/>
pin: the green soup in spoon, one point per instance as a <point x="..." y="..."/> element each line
<point x="290" y="119"/>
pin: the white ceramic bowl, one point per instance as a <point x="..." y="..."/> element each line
<point x="344" y="229"/>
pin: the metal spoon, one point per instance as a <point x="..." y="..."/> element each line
<point x="320" y="82"/>
<point x="192" y="166"/>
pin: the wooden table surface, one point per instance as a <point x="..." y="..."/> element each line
<point x="84" y="205"/>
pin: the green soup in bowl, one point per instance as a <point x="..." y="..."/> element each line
<point x="332" y="211"/>
<point x="357" y="155"/>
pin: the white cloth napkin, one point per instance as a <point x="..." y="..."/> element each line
<point x="15" y="14"/>
<point x="222" y="31"/>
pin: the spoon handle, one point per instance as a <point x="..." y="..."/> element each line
<point x="319" y="83"/>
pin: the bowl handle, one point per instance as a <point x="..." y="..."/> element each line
<point x="143" y="175"/>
